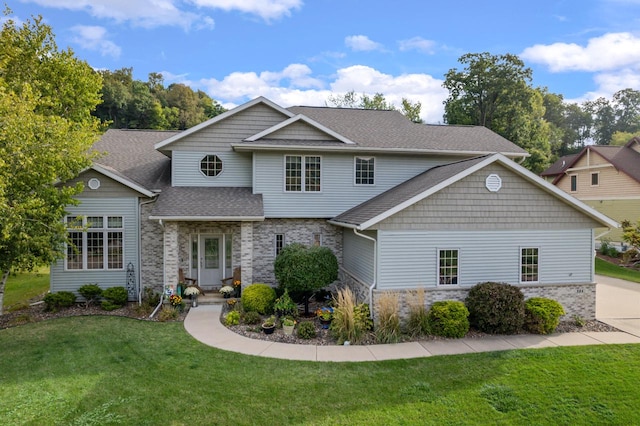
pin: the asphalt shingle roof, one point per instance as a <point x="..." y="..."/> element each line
<point x="404" y="192"/>
<point x="208" y="202"/>
<point x="382" y="129"/>
<point x="132" y="154"/>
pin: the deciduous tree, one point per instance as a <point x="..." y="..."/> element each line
<point x="46" y="96"/>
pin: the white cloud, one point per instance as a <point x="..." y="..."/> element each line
<point x="607" y="52"/>
<point x="143" y="13"/>
<point x="418" y="43"/>
<point x="361" y="43"/>
<point x="266" y="9"/>
<point x="95" y="38"/>
<point x="295" y="85"/>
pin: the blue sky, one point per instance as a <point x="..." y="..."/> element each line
<point x="298" y="52"/>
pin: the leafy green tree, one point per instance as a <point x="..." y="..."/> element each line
<point x="604" y="120"/>
<point x="494" y="91"/>
<point x="190" y="109"/>
<point x="302" y="270"/>
<point x="46" y="98"/>
<point x="378" y="101"/>
<point x="621" y="138"/>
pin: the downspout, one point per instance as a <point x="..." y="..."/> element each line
<point x="162" y="292"/>
<point x="375" y="267"/>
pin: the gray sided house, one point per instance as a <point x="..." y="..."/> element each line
<point x="402" y="205"/>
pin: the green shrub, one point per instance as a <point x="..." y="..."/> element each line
<point x="284" y="305"/>
<point x="62" y="299"/>
<point x="542" y="315"/>
<point x="251" y="318"/>
<point x="388" y="327"/>
<point x="151" y="297"/>
<point x="91" y="293"/>
<point x="449" y="319"/>
<point x="606" y="249"/>
<point x="258" y="297"/>
<point x="233" y="318"/>
<point x="496" y="308"/>
<point x="306" y="330"/>
<point x="114" y="298"/>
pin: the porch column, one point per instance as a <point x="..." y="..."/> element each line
<point x="246" y="249"/>
<point x="171" y="257"/>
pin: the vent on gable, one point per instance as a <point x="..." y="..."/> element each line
<point x="493" y="182"/>
<point x="94" y="183"/>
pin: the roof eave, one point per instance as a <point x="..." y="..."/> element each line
<point x="209" y="218"/>
<point x="126" y="182"/>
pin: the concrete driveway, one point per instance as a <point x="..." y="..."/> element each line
<point x="618" y="304"/>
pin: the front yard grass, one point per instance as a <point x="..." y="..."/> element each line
<point x="610" y="270"/>
<point x="111" y="370"/>
<point x="23" y="286"/>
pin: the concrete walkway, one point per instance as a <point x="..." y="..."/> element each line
<point x="203" y="323"/>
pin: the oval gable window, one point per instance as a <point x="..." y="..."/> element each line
<point x="211" y="165"/>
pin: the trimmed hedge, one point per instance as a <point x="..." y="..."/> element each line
<point x="258" y="297"/>
<point x="448" y="319"/>
<point x="542" y="315"/>
<point x="62" y="299"/>
<point x="496" y="308"/>
<point x="114" y="298"/>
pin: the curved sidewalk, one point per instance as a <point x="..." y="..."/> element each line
<point x="203" y="323"/>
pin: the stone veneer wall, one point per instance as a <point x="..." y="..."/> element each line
<point x="151" y="250"/>
<point x="295" y="231"/>
<point x="577" y="299"/>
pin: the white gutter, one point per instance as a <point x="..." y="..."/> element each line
<point x="375" y="267"/>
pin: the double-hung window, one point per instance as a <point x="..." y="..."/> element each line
<point x="529" y="257"/>
<point x="574" y="183"/>
<point x="448" y="266"/>
<point x="278" y="243"/>
<point x="364" y="171"/>
<point x="302" y="173"/>
<point x="95" y="242"/>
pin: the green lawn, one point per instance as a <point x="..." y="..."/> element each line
<point x="110" y="370"/>
<point x="25" y="285"/>
<point x="610" y="270"/>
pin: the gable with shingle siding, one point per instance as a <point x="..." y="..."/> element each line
<point x="468" y="205"/>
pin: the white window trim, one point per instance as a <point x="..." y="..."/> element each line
<point x="105" y="230"/>
<point x="222" y="168"/>
<point x="591" y="178"/>
<point x="438" y="250"/>
<point x="355" y="170"/>
<point x="302" y="177"/>
<point x="520" y="265"/>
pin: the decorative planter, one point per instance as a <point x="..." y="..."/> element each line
<point x="226" y="295"/>
<point x="268" y="329"/>
<point x="194" y="301"/>
<point x="288" y="329"/>
<point x="325" y="323"/>
<point x="237" y="291"/>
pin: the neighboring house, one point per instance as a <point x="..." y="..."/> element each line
<point x="402" y="205"/>
<point x="606" y="178"/>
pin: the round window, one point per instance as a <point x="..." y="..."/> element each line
<point x="211" y="165"/>
<point x="94" y="183"/>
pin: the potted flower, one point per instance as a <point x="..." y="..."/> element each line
<point x="325" y="315"/>
<point x="226" y="291"/>
<point x="176" y="302"/>
<point x="269" y="325"/>
<point x="193" y="292"/>
<point x="237" y="287"/>
<point x="288" y="324"/>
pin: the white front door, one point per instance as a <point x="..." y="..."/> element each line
<point x="210" y="258"/>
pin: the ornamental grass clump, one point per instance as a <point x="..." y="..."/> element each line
<point x="496" y="308"/>
<point x="387" y="329"/>
<point x="418" y="322"/>
<point x="449" y="319"/>
<point x="542" y="315"/>
<point x="351" y="321"/>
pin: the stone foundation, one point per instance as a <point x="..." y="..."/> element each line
<point x="576" y="299"/>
